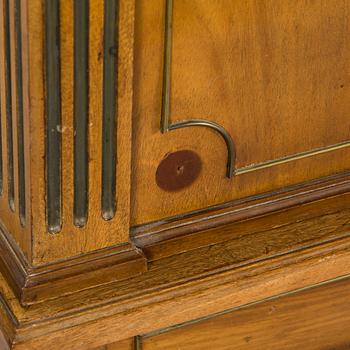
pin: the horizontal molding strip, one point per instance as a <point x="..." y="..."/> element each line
<point x="164" y="286"/>
<point x="241" y="209"/>
<point x="32" y="284"/>
<point x="287" y="159"/>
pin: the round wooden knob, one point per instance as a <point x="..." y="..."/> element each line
<point x="178" y="170"/>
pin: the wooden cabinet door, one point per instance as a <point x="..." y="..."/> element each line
<point x="273" y="75"/>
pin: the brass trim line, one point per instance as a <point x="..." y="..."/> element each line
<point x="8" y="92"/>
<point x="166" y="125"/>
<point x="110" y="109"/>
<point x="138" y="342"/>
<point x="81" y="112"/>
<point x="244" y="306"/>
<point x="20" y="114"/>
<point x="290" y="158"/>
<point x="53" y="116"/>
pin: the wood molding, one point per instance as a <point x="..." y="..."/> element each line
<point x="315" y="318"/>
<point x="155" y="238"/>
<point x="35" y="284"/>
<point x="204" y="281"/>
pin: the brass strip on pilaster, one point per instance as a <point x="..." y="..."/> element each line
<point x="53" y="116"/>
<point x="138" y="342"/>
<point x="20" y="114"/>
<point x="110" y="108"/>
<point x="81" y="111"/>
<point x="8" y="92"/>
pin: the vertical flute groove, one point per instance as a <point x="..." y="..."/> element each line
<point x="81" y="106"/>
<point x="19" y="113"/>
<point x="165" y="116"/>
<point x="110" y="79"/>
<point x="8" y="92"/>
<point x="53" y="116"/>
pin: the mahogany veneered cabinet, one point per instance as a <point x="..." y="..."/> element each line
<point x="174" y="174"/>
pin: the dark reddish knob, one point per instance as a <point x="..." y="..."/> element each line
<point x="178" y="170"/>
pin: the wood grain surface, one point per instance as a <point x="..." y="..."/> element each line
<point x="98" y="233"/>
<point x="127" y="344"/>
<point x="184" y="287"/>
<point x="26" y="20"/>
<point x="232" y="231"/>
<point x="9" y="111"/>
<point x="222" y="223"/>
<point x="316" y="319"/>
<point x="274" y="74"/>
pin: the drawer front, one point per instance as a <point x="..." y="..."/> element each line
<point x="273" y="75"/>
<point x="314" y="319"/>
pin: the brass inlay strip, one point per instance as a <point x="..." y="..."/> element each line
<point x="53" y="116"/>
<point x="244" y="306"/>
<point x="110" y="81"/>
<point x="138" y="342"/>
<point x="166" y="124"/>
<point x="20" y="114"/>
<point x="81" y="111"/>
<point x="8" y="92"/>
<point x="287" y="159"/>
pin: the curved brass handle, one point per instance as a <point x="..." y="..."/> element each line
<point x="166" y="124"/>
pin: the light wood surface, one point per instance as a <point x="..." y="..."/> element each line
<point x="9" y="111"/>
<point x="93" y="252"/>
<point x="274" y="74"/>
<point x="315" y="319"/>
<point x="127" y="344"/>
<point x="97" y="233"/>
<point x="202" y="282"/>
<point x="224" y="223"/>
<point x="65" y="145"/>
<point x="33" y="237"/>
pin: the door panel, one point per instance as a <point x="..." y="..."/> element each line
<point x="273" y="74"/>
